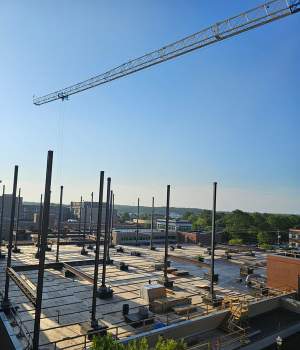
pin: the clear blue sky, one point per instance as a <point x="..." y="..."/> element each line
<point x="229" y="112"/>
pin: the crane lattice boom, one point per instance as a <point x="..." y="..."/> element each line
<point x="258" y="16"/>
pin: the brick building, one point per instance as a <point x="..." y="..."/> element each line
<point x="197" y="237"/>
<point x="283" y="271"/>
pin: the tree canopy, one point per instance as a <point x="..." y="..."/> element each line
<point x="246" y="228"/>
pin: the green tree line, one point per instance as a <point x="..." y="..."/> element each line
<point x="245" y="228"/>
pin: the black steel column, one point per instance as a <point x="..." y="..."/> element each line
<point x="112" y="218"/>
<point x="16" y="250"/>
<point x="109" y="225"/>
<point x="11" y="230"/>
<point x="94" y="322"/>
<point x="59" y="222"/>
<point x="91" y="215"/>
<point x="167" y="235"/>
<point x="45" y="225"/>
<point x="1" y="221"/>
<point x="83" y="251"/>
<point x="106" y="233"/>
<point x="137" y="223"/>
<point x="40" y="228"/>
<point x="80" y="212"/>
<point x="152" y="224"/>
<point x="213" y="233"/>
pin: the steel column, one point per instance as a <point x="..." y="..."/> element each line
<point x="167" y="235"/>
<point x="40" y="226"/>
<point x="80" y="212"/>
<point x="137" y="222"/>
<point x="213" y="234"/>
<point x="11" y="230"/>
<point x="17" y="222"/>
<point x="94" y="322"/>
<point x="1" y="219"/>
<point x="106" y="232"/>
<point x="91" y="215"/>
<point x="112" y="218"/>
<point x="109" y="224"/>
<point x="152" y="224"/>
<point x="59" y="222"/>
<point x="45" y="224"/>
<point x="83" y="251"/>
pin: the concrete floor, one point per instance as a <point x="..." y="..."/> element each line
<point x="67" y="301"/>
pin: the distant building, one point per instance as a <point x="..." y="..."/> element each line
<point x="294" y="238"/>
<point x="75" y="209"/>
<point x="7" y="205"/>
<point x="174" y="225"/>
<point x="128" y="237"/>
<point x="7" y="212"/>
<point x="197" y="237"/>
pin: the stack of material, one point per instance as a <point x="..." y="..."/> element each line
<point x="158" y="267"/>
<point x="180" y="273"/>
<point x="151" y="292"/>
<point x="167" y="304"/>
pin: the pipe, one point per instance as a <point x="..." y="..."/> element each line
<point x="11" y="230"/>
<point x="96" y="266"/>
<point x="45" y="225"/>
<point x="59" y="222"/>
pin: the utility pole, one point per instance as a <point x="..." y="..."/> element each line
<point x="16" y="249"/>
<point x="137" y="223"/>
<point x="59" y="223"/>
<point x="40" y="281"/>
<point x="2" y="256"/>
<point x="94" y="322"/>
<point x="6" y="303"/>
<point x="152" y="225"/>
<point x="213" y="234"/>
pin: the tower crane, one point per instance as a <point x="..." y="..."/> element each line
<point x="266" y="13"/>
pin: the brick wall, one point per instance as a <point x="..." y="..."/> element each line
<point x="283" y="272"/>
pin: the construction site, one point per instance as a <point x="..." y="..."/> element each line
<point x="59" y="291"/>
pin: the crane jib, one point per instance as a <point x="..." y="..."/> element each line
<point x="251" y="19"/>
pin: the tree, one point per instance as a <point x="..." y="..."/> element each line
<point x="125" y="217"/>
<point x="263" y="238"/>
<point x="107" y="342"/>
